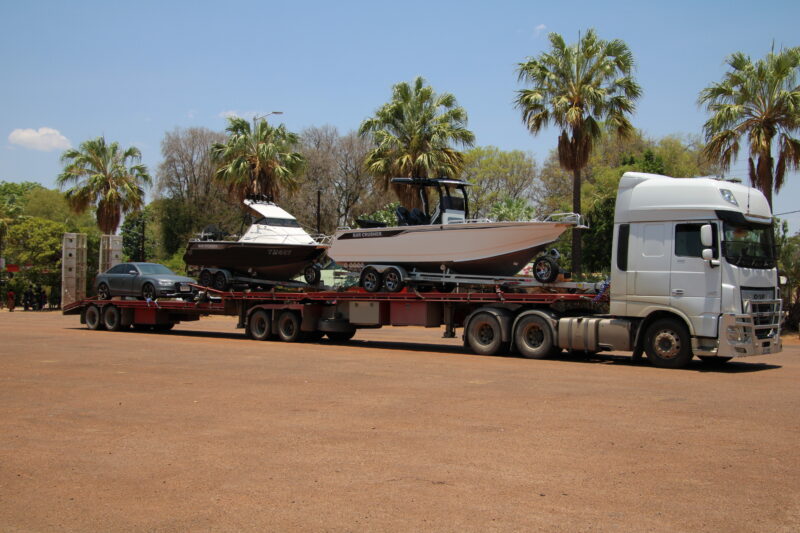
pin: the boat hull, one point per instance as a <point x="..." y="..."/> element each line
<point x="280" y="262"/>
<point x="491" y="248"/>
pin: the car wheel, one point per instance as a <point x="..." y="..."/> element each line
<point x="148" y="291"/>
<point x="103" y="292"/>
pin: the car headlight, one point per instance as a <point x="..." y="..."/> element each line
<point x="164" y="282"/>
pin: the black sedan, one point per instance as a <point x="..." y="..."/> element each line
<point x="145" y="280"/>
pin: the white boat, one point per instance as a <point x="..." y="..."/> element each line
<point x="446" y="239"/>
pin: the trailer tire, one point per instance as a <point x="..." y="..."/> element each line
<point x="393" y="280"/>
<point x="220" y="282"/>
<point x="206" y="278"/>
<point x="259" y="327"/>
<point x="533" y="337"/>
<point x="112" y="318"/>
<point x="340" y="336"/>
<point x="666" y="343"/>
<point x="545" y="269"/>
<point x="93" y="317"/>
<point x="289" y="327"/>
<point x="312" y="274"/>
<point x="484" y="335"/>
<point x="371" y="280"/>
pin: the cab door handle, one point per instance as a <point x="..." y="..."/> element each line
<point x="677" y="292"/>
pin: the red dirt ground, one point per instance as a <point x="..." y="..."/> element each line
<point x="202" y="430"/>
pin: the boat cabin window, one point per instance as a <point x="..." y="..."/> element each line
<point x="284" y="222"/>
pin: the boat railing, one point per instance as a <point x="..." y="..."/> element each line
<point x="567" y="218"/>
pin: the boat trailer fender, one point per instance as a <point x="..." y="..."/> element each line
<point x="384" y="268"/>
<point x="503" y="316"/>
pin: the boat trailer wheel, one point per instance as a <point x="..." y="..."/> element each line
<point x="545" y="269"/>
<point x="393" y="280"/>
<point x="371" y="280"/>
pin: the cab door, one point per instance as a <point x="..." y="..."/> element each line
<point x="695" y="285"/>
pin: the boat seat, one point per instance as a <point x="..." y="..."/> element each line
<point x="418" y="218"/>
<point x="365" y="223"/>
<point x="403" y="217"/>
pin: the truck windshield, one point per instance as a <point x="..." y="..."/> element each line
<point x="750" y="246"/>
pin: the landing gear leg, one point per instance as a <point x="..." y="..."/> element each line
<point x="449" y="328"/>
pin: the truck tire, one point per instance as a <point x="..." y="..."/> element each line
<point x="93" y="317"/>
<point x="484" y="335"/>
<point x="340" y="336"/>
<point x="112" y="318"/>
<point x="206" y="278"/>
<point x="545" y="269"/>
<point x="533" y="337"/>
<point x="371" y="280"/>
<point x="393" y="280"/>
<point x="667" y="344"/>
<point x="259" y="327"/>
<point x="289" y="327"/>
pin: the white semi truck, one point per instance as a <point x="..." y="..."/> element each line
<point x="693" y="273"/>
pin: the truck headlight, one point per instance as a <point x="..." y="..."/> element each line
<point x="737" y="334"/>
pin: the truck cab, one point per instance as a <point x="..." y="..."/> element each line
<point x="697" y="253"/>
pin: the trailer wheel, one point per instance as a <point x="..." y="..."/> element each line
<point x="533" y="337"/>
<point x="93" y="317"/>
<point x="289" y="327"/>
<point x="393" y="280"/>
<point x="312" y="274"/>
<point x="484" y="335"/>
<point x="340" y="336"/>
<point x="112" y="318"/>
<point x="206" y="278"/>
<point x="259" y="325"/>
<point x="666" y="343"/>
<point x="220" y="282"/>
<point x="103" y="292"/>
<point x="371" y="280"/>
<point x="545" y="269"/>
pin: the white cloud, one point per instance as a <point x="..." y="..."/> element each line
<point x="539" y="29"/>
<point x="43" y="139"/>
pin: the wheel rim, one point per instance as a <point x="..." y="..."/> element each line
<point x="103" y="292"/>
<point x="310" y="275"/>
<point x="111" y="318"/>
<point x="667" y="344"/>
<point x="543" y="270"/>
<point x="534" y="336"/>
<point x="392" y="281"/>
<point x="288" y="328"/>
<point x="485" y="333"/>
<point x="149" y="292"/>
<point x="371" y="281"/>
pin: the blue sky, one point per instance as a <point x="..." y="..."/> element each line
<point x="132" y="71"/>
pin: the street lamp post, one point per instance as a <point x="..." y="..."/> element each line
<point x="256" y="117"/>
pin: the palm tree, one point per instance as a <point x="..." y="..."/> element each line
<point x="258" y="160"/>
<point x="576" y="88"/>
<point x="105" y="177"/>
<point x="414" y="134"/>
<point x="761" y="101"/>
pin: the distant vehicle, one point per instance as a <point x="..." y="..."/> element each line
<point x="144" y="280"/>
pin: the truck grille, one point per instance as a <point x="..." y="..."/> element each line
<point x="765" y="311"/>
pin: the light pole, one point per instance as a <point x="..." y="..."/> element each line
<point x="256" y="117"/>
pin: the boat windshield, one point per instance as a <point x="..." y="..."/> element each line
<point x="285" y="222"/>
<point x="749" y="245"/>
<point x="152" y="268"/>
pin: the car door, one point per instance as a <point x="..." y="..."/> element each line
<point x="115" y="277"/>
<point x="695" y="285"/>
<point x="132" y="280"/>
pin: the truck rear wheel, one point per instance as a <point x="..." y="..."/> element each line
<point x="259" y="326"/>
<point x="289" y="327"/>
<point x="112" y="318"/>
<point x="484" y="335"/>
<point x="667" y="344"/>
<point x="534" y="338"/>
<point x="93" y="317"/>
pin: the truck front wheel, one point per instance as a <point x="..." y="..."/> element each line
<point x="484" y="335"/>
<point x="667" y="344"/>
<point x="534" y="338"/>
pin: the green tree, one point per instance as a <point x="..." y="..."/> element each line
<point x="257" y="161"/>
<point x="414" y="136"/>
<point x="497" y="174"/>
<point x="760" y="101"/>
<point x="105" y="177"/>
<point x="35" y="244"/>
<point x="511" y="209"/>
<point x="575" y="88"/>
<point x="138" y="237"/>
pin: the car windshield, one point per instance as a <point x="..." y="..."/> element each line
<point x="750" y="246"/>
<point x="152" y="268"/>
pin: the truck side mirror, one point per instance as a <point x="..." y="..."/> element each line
<point x="708" y="254"/>
<point x="706" y="237"/>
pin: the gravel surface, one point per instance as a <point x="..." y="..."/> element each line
<point x="200" y="429"/>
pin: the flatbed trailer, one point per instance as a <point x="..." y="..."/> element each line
<point x="493" y="320"/>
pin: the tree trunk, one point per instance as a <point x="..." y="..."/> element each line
<point x="577" y="267"/>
